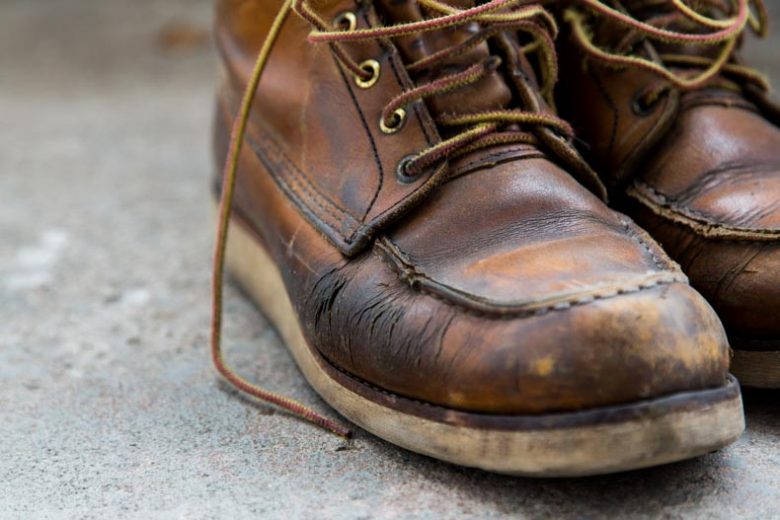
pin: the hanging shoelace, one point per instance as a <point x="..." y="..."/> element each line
<point x="477" y="130"/>
<point x="722" y="28"/>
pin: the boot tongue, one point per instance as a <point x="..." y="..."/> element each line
<point x="490" y="93"/>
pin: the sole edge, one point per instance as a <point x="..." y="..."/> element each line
<point x="570" y="451"/>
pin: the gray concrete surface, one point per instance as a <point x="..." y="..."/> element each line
<point x="109" y="407"/>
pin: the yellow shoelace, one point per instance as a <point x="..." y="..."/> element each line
<point x="706" y="32"/>
<point x="481" y="129"/>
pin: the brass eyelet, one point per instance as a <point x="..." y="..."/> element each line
<point x="372" y="67"/>
<point x="641" y="107"/>
<point x="395" y="124"/>
<point x="402" y="170"/>
<point x="345" y="21"/>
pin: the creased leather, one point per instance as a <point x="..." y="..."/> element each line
<point x="511" y="289"/>
<point x="699" y="170"/>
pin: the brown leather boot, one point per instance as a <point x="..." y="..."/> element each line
<point x="416" y="224"/>
<point x="689" y="142"/>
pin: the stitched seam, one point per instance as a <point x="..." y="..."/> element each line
<point x="300" y="190"/>
<point x="315" y="219"/>
<point x="417" y="106"/>
<point x="631" y="233"/>
<point x="612" y="106"/>
<point x="374" y="150"/>
<point x="311" y="195"/>
<point x="368" y="227"/>
<point x="372" y="225"/>
<point x="652" y="136"/>
<point x="663" y="266"/>
<point x="506" y="315"/>
<point x="292" y="168"/>
<point x="303" y="186"/>
<point x="684" y="211"/>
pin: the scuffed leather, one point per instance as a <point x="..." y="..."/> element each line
<point x="511" y="289"/>
<point x="700" y="171"/>
<point x="307" y="111"/>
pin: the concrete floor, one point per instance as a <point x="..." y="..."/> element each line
<point x="109" y="405"/>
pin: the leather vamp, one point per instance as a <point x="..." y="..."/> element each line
<point x="521" y="235"/>
<point x="719" y="166"/>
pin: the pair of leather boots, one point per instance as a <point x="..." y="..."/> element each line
<point x="505" y="234"/>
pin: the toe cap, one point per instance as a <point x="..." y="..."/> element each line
<point x="615" y="349"/>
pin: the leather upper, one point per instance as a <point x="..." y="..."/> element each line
<point x="494" y="284"/>
<point x="700" y="170"/>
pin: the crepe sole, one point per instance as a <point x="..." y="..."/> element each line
<point x="603" y="440"/>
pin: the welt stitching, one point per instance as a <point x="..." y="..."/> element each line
<point x="519" y="313"/>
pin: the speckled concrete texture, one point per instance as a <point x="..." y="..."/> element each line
<point x="109" y="407"/>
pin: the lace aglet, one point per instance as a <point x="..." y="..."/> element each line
<point x="338" y="429"/>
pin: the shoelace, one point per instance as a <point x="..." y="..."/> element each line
<point x="480" y="129"/>
<point x="706" y="31"/>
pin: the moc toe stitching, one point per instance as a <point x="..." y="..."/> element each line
<point x="413" y="276"/>
<point x="480" y="362"/>
<point x="700" y="223"/>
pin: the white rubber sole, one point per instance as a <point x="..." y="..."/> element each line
<point x="569" y="444"/>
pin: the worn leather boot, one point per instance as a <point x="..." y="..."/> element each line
<point x="417" y="225"/>
<point x="689" y="143"/>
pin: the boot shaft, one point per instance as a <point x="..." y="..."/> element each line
<point x="338" y="146"/>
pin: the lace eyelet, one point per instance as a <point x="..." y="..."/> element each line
<point x="372" y="67"/>
<point x="640" y="105"/>
<point x="402" y="170"/>
<point x="395" y="124"/>
<point x="345" y="21"/>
